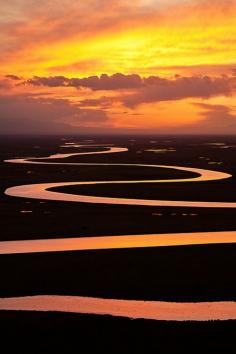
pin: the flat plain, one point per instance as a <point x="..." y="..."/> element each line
<point x="195" y="273"/>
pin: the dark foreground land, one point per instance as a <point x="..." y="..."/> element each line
<point x="42" y="333"/>
<point x="190" y="273"/>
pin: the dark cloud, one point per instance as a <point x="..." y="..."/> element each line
<point x="52" y="81"/>
<point x="4" y="84"/>
<point x="145" y="90"/>
<point x="13" y="77"/>
<point x="18" y="125"/>
<point x="26" y="114"/>
<point x="104" y="102"/>
<point x="88" y="117"/>
<point x="217" y="118"/>
<point x="33" y="112"/>
<point x="156" y="89"/>
<point x="113" y="82"/>
<point x="104" y="82"/>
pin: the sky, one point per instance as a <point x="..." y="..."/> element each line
<point x="118" y="67"/>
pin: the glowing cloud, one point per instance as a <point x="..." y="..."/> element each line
<point x="113" y="57"/>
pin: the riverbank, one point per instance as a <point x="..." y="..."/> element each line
<point x="68" y="333"/>
<point x="182" y="274"/>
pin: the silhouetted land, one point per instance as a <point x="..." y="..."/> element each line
<point x="190" y="273"/>
<point x="74" y="333"/>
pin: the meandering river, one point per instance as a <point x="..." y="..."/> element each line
<point x="158" y="310"/>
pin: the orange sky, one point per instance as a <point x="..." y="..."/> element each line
<point x="175" y="61"/>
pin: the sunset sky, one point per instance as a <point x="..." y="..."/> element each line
<point x="118" y="66"/>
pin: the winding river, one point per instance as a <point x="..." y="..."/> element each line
<point x="158" y="310"/>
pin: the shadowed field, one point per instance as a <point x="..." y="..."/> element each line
<point x="190" y="273"/>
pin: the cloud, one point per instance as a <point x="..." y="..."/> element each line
<point x="145" y="90"/>
<point x="26" y="114"/>
<point x="13" y="77"/>
<point x="104" y="102"/>
<point x="101" y="35"/>
<point x="217" y="118"/>
<point x="5" y="83"/>
<point x="113" y="82"/>
<point x="194" y="70"/>
<point x="26" y="25"/>
<point x="157" y="89"/>
<point x="53" y="81"/>
<point x="82" y="65"/>
<point x="234" y="71"/>
<point x="104" y="82"/>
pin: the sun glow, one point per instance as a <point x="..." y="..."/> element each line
<point x="150" y="38"/>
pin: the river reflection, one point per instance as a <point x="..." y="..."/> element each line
<point x="157" y="310"/>
<point x="152" y="310"/>
<point x="116" y="242"/>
